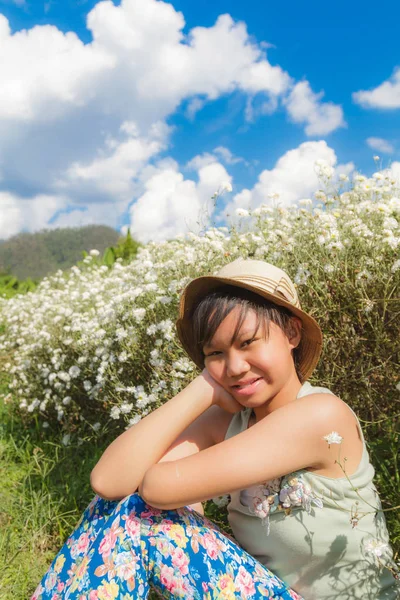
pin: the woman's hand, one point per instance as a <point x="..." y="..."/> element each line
<point x="219" y="394"/>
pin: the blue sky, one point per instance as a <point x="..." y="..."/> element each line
<point x="150" y="107"/>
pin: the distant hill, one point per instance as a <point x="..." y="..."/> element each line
<point x="36" y="255"/>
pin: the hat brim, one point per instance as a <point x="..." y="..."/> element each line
<point x="311" y="344"/>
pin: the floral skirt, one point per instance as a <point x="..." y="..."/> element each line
<point x="121" y="550"/>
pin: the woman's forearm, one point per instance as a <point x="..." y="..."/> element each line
<point x="124" y="463"/>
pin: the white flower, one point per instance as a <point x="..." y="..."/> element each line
<point x="221" y="500"/>
<point x="120" y="333"/>
<point x="134" y="420"/>
<point x="74" y="371"/>
<point x="359" y="178"/>
<point x="226" y="187"/>
<point x="376" y="157"/>
<point x="94" y="252"/>
<point x="301" y="276"/>
<point x="368" y="305"/>
<point x="126" y="407"/>
<point x="87" y="385"/>
<point x="375" y="547"/>
<point x="364" y="274"/>
<point x="242" y="212"/>
<point x="123" y="357"/>
<point x="329" y="268"/>
<point x="66" y="439"/>
<point x="333" y="438"/>
<point x="115" y="412"/>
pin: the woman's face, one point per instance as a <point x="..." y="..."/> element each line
<point x="255" y="368"/>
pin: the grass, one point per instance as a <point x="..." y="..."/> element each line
<point x="45" y="487"/>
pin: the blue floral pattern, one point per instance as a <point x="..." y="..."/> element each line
<point x="121" y="550"/>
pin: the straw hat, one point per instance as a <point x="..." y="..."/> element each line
<point x="265" y="280"/>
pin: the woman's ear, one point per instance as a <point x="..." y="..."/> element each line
<point x="294" y="331"/>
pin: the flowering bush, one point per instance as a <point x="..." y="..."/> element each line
<point x="99" y="344"/>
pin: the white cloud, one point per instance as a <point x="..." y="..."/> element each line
<point x="112" y="174"/>
<point x="28" y="214"/>
<point x="47" y="72"/>
<point x="172" y="204"/>
<point x="63" y="101"/>
<point x="138" y="54"/>
<point x="386" y="95"/>
<point x="219" y="153"/>
<point x="294" y="177"/>
<point x="66" y="106"/>
<point x="226" y="155"/>
<point x="107" y="213"/>
<point x="395" y="171"/>
<point x="201" y="160"/>
<point x="304" y="106"/>
<point x="380" y="145"/>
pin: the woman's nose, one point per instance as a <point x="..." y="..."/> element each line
<point x="236" y="365"/>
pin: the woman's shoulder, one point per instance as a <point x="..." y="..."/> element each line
<point x="324" y="407"/>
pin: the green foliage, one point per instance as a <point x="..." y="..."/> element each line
<point x="35" y="255"/>
<point x="42" y="492"/>
<point x="126" y="250"/>
<point x="10" y="286"/>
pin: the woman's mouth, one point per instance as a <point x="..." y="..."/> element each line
<point x="248" y="388"/>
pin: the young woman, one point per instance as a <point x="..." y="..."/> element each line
<point x="250" y="425"/>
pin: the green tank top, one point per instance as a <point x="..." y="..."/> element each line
<point x="307" y="538"/>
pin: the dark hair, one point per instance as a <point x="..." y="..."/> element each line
<point x="212" y="309"/>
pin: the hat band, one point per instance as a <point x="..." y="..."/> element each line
<point x="270" y="285"/>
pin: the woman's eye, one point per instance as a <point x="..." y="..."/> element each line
<point x="247" y="342"/>
<point x="212" y="354"/>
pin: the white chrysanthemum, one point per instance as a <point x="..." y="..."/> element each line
<point x="329" y="268"/>
<point x="123" y="357"/>
<point x="301" y="276"/>
<point x="333" y="438"/>
<point x="74" y="371"/>
<point x="221" y="500"/>
<point x="376" y="547"/>
<point x="242" y="212"/>
<point x="134" y="420"/>
<point x="126" y="407"/>
<point x="226" y="187"/>
<point x="66" y="440"/>
<point x="115" y="412"/>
